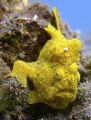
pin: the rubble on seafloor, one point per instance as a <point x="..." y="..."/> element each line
<point x="21" y="38"/>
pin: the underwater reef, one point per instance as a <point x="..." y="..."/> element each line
<point x="22" y="37"/>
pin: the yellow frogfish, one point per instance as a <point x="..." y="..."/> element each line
<point x="55" y="73"/>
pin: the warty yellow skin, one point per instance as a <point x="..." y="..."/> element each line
<point x="55" y="74"/>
